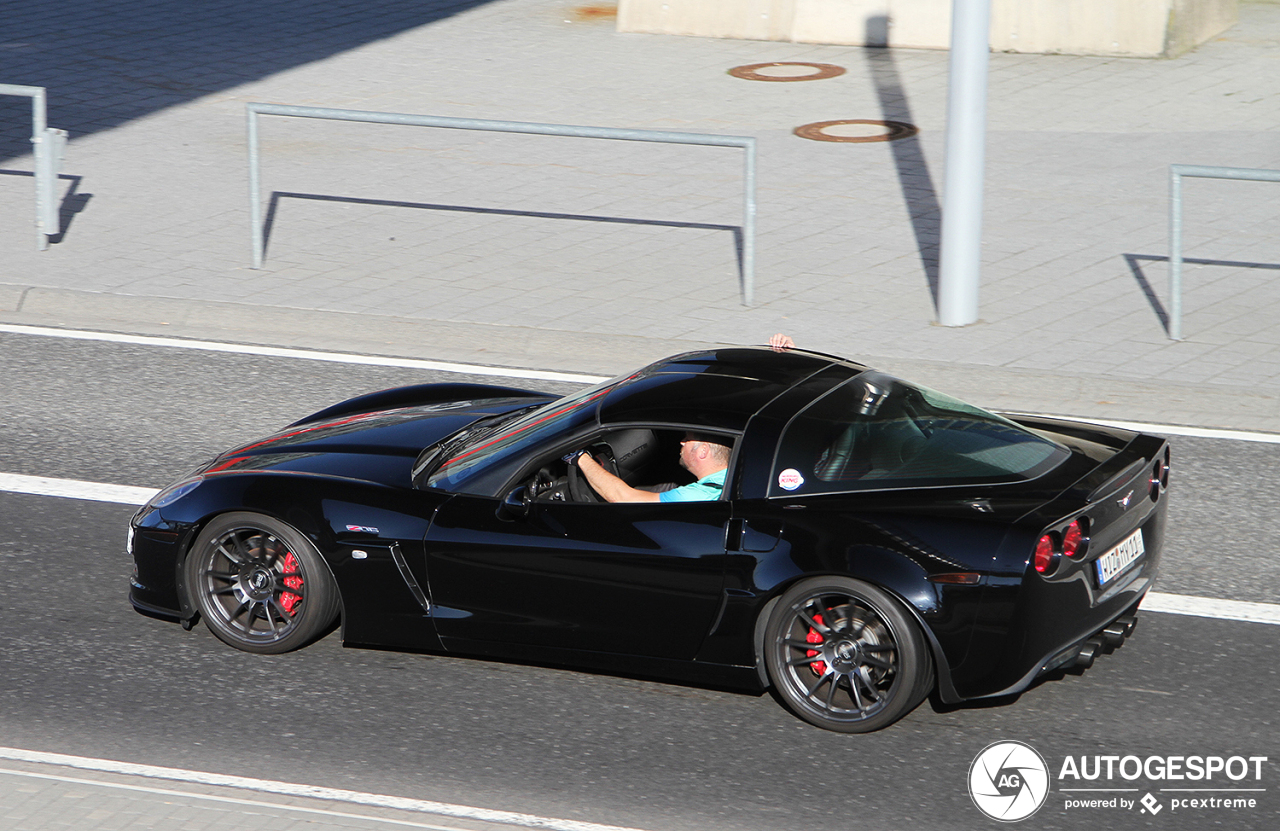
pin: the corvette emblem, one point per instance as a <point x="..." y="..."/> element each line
<point x="365" y="529"/>
<point x="1124" y="503"/>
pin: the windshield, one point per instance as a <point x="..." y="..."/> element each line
<point x="875" y="431"/>
<point x="471" y="454"/>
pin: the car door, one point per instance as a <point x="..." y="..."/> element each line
<point x="638" y="578"/>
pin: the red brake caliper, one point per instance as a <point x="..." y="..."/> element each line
<point x="818" y="667"/>
<point x="288" y="599"/>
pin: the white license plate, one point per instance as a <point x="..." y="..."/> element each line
<point x="1120" y="558"/>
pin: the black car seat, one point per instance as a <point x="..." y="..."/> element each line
<point x="634" y="451"/>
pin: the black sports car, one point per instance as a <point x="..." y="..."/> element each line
<point x="875" y="540"/>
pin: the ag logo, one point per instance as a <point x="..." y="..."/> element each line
<point x="1008" y="781"/>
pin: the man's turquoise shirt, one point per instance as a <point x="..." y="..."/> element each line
<point x="707" y="488"/>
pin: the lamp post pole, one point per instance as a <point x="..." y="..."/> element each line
<point x="961" y="251"/>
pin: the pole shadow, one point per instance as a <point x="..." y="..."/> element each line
<point x="273" y="207"/>
<point x="73" y="202"/>
<point x="1149" y="292"/>
<point x="913" y="169"/>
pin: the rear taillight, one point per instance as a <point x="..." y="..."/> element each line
<point x="1160" y="475"/>
<point x="1073" y="540"/>
<point x="1045" y="554"/>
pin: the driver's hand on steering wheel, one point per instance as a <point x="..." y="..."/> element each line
<point x="607" y="484"/>
<point x="591" y="461"/>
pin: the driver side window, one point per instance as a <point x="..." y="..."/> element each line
<point x="647" y="459"/>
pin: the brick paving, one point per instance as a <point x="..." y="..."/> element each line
<point x="502" y="236"/>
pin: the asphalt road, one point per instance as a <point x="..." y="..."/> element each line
<point x="82" y="674"/>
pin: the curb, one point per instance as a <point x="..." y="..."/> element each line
<point x="1082" y="396"/>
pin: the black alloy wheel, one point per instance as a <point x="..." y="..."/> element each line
<point x="845" y="655"/>
<point x="259" y="584"/>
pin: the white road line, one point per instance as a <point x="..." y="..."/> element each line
<point x="75" y="489"/>
<point x="305" y="354"/>
<point x="503" y="372"/>
<point x="307" y="791"/>
<point x="175" y="795"/>
<point x="1171" y="429"/>
<point x="1182" y="604"/>
<point x="1177" y="604"/>
<point x="1192" y="432"/>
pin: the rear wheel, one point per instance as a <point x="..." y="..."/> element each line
<point x="259" y="584"/>
<point x="845" y="655"/>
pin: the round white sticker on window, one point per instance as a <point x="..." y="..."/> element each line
<point x="790" y="479"/>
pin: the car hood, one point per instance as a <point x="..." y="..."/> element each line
<point x="378" y="446"/>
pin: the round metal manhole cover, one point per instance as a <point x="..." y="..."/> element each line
<point x="856" y="130"/>
<point x="786" y="71"/>
<point x="599" y="11"/>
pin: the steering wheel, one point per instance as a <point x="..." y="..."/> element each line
<point x="579" y="488"/>
<point x="541" y="481"/>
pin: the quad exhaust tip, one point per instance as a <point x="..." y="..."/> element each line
<point x="1105" y="641"/>
<point x="1088" y="651"/>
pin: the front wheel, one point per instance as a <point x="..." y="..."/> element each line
<point x="845" y="655"/>
<point x="259" y="584"/>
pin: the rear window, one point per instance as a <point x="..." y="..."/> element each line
<point x="875" y="432"/>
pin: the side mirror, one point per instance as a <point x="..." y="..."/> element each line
<point x="516" y="504"/>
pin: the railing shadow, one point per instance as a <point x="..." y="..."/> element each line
<point x="908" y="156"/>
<point x="73" y="202"/>
<point x="278" y="196"/>
<point x="1153" y="299"/>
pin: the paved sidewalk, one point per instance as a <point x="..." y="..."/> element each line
<point x="594" y="255"/>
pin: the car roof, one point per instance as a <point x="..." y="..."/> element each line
<point x="715" y="388"/>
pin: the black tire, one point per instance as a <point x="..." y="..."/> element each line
<point x="845" y="655"/>
<point x="259" y="584"/>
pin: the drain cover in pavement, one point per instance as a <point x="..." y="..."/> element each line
<point x="786" y="71"/>
<point x="856" y="129"/>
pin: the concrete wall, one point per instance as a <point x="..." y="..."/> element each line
<point x="1138" y="28"/>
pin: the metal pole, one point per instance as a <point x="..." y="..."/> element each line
<point x="46" y="150"/>
<point x="749" y="227"/>
<point x="747" y="143"/>
<point x="1176" y="174"/>
<point x="961" y="249"/>
<point x="255" y="195"/>
<point x="1175" y="253"/>
<point x="38" y="123"/>
<point x="38" y="111"/>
